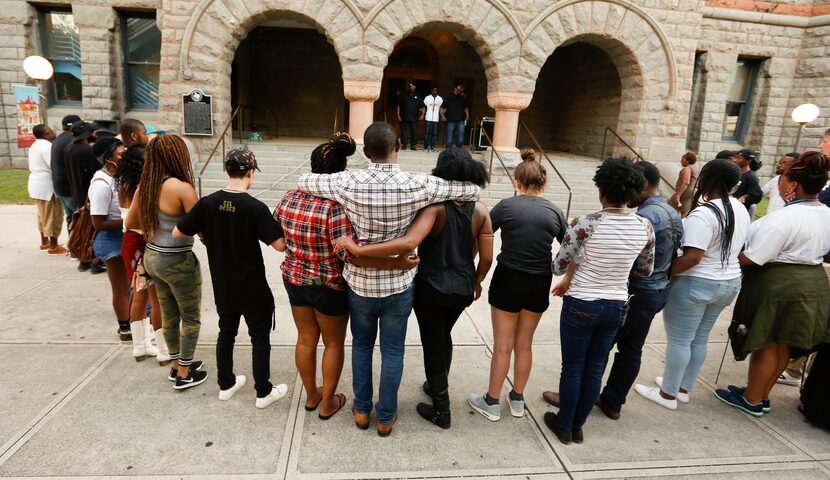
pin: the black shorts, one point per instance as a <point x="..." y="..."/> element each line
<point x="512" y="290"/>
<point x="325" y="300"/>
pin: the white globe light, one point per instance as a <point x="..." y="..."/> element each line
<point x="805" y="113"/>
<point x="38" y="68"/>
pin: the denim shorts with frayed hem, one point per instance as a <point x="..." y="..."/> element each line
<point x="107" y="244"/>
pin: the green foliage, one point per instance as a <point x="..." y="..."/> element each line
<point x="14" y="187"/>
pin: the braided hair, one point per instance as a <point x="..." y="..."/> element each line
<point x="128" y="175"/>
<point x="331" y="156"/>
<point x="719" y="176"/>
<point x="165" y="156"/>
<point x="810" y="171"/>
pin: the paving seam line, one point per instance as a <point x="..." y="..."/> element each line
<point x="32" y="288"/>
<point x="21" y="437"/>
<point x="696" y="470"/>
<point x="293" y="430"/>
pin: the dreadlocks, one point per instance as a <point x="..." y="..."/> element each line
<point x="129" y="170"/>
<point x="165" y="156"/>
<point x="331" y="156"/>
<point x="719" y="177"/>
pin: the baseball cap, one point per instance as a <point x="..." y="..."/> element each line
<point x="82" y="130"/>
<point x="725" y="154"/>
<point x="69" y="120"/>
<point x="240" y="159"/>
<point x="746" y="153"/>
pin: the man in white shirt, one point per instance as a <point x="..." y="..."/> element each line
<point x="770" y="189"/>
<point x="49" y="208"/>
<point x="432" y="115"/>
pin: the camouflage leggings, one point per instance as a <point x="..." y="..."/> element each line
<point x="178" y="281"/>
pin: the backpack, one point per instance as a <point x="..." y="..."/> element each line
<point x="82" y="235"/>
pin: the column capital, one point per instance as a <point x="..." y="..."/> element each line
<point x="357" y="90"/>
<point x="509" y="101"/>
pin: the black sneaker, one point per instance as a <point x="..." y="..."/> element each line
<point x="125" y="335"/>
<point x="194" y="377"/>
<point x="552" y="422"/>
<point x="97" y="268"/>
<point x="195" y="365"/>
<point x="84" y="266"/>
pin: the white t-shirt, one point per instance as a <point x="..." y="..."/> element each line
<point x="701" y="230"/>
<point x="798" y="233"/>
<point x="40" y="170"/>
<point x="433" y="108"/>
<point x="770" y="190"/>
<point x="103" y="196"/>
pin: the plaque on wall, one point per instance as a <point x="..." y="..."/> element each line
<point x="198" y="113"/>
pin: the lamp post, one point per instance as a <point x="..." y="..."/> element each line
<point x="802" y="115"/>
<point x="39" y="69"/>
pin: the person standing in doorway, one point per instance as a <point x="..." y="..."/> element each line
<point x="60" y="177"/>
<point x="381" y="202"/>
<point x="455" y="112"/>
<point x="49" y="209"/>
<point x="749" y="189"/>
<point x="432" y="115"/>
<point x="410" y="111"/>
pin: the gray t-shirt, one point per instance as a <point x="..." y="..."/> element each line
<point x="528" y="226"/>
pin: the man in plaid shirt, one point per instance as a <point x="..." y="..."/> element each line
<point x="381" y="202"/>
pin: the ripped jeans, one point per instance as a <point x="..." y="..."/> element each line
<point x="587" y="330"/>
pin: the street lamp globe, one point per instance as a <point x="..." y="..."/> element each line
<point x="805" y="113"/>
<point x="38" y="68"/>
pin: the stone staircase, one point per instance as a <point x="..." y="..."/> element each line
<point x="283" y="162"/>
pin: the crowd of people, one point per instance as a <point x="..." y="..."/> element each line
<point x="350" y="239"/>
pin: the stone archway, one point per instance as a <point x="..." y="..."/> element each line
<point x="635" y="44"/>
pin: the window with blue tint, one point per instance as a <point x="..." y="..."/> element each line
<point x="61" y="45"/>
<point x="141" y="39"/>
<point x="738" y="103"/>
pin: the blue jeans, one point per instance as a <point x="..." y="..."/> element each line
<point x="107" y="244"/>
<point x="642" y="308"/>
<point x="68" y="207"/>
<point x="693" y="305"/>
<point x="431" y="134"/>
<point x="393" y="312"/>
<point x="455" y="131"/>
<point x="587" y="330"/>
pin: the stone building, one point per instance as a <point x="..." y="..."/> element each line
<point x="666" y="75"/>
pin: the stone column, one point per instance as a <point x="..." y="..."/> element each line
<point x="98" y="64"/>
<point x="507" y="106"/>
<point x="361" y="96"/>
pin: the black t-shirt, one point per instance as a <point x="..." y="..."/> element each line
<point x="824" y="195"/>
<point x="528" y="224"/>
<point x="60" y="178"/>
<point x="232" y="224"/>
<point x="410" y="106"/>
<point x="81" y="165"/>
<point x="455" y="105"/>
<point x="751" y="187"/>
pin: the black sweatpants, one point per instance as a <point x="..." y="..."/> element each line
<point x="259" y="329"/>
<point x="437" y="313"/>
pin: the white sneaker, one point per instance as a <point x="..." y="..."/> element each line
<point x="517" y="407"/>
<point x="277" y="393"/>
<point x="227" y="394"/>
<point x="681" y="397"/>
<point x="653" y="394"/>
<point x="787" y="379"/>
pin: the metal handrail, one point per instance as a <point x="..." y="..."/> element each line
<point x="558" y="173"/>
<point x="216" y="147"/>
<point x="629" y="147"/>
<point x="493" y="151"/>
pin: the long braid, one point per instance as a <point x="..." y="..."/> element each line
<point x="165" y="156"/>
<point x="719" y="176"/>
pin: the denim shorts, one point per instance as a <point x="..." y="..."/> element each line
<point x="107" y="244"/>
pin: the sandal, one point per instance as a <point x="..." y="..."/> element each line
<point x="342" y="399"/>
<point x="311" y="409"/>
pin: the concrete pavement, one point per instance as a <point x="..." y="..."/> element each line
<point x="75" y="404"/>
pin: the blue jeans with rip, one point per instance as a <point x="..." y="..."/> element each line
<point x="389" y="315"/>
<point x="587" y="330"/>
<point x="692" y="308"/>
<point x="455" y="133"/>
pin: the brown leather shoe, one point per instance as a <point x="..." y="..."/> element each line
<point x="607" y="410"/>
<point x="361" y="420"/>
<point x="551" y="398"/>
<point x="384" y="429"/>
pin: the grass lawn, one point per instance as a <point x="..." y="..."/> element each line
<point x="14" y="187"/>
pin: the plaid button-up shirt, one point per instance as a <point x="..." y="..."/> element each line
<point x="312" y="226"/>
<point x="381" y="201"/>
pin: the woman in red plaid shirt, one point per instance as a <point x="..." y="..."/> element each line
<point x="313" y="276"/>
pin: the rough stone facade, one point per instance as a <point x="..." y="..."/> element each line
<point x="651" y="43"/>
